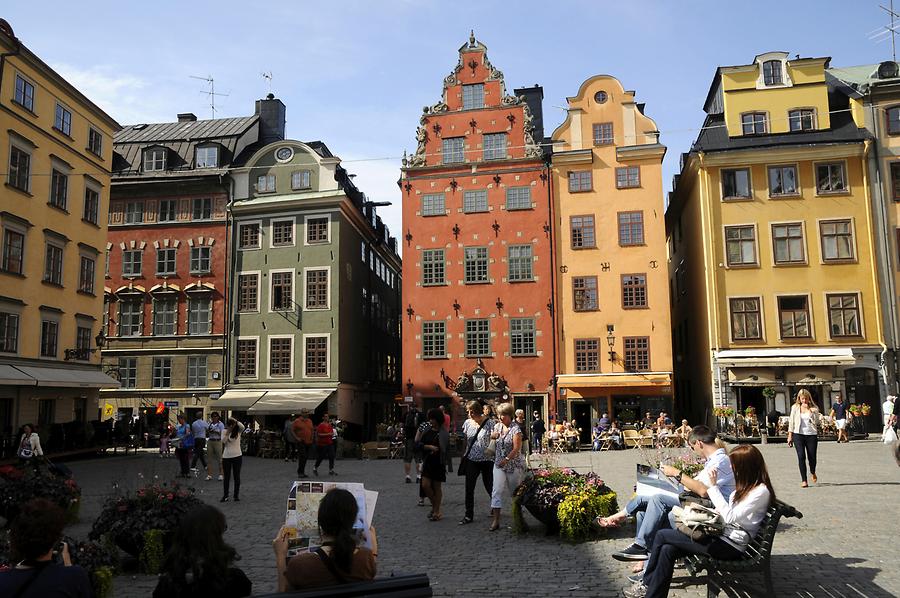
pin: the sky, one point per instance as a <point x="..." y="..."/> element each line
<point x="355" y="74"/>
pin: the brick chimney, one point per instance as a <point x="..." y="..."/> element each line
<point x="271" y="113"/>
<point x="187" y="117"/>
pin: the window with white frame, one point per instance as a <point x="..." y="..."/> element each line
<point x="520" y="261"/>
<point x="830" y="178"/>
<point x="265" y="183"/>
<point x="132" y="262"/>
<point x="200" y="260"/>
<point x="155" y="159"/>
<point x="316" y="363"/>
<point x="476" y="264"/>
<point x="518" y="198"/>
<point x="300" y="179"/>
<point x="246" y="358"/>
<point x="86" y="275"/>
<point x="475" y="201"/>
<point x="162" y="372"/>
<point x="432" y="267"/>
<point x="63" y="120"/>
<point x="782" y="180"/>
<point x="754" y="123"/>
<point x="9" y="332"/>
<point x="19" y="175"/>
<point x="128" y="372"/>
<point x="196" y="371"/>
<point x="248" y="235"/>
<point x="317" y="289"/>
<point x="24" y="94"/>
<point x="131" y="317"/>
<point x="201" y="208"/>
<point x="452" y="150"/>
<point x="433" y="204"/>
<point x="740" y="245"/>
<point x="165" y="260"/>
<point x="772" y="72"/>
<point x="434" y="340"/>
<point x="473" y="96"/>
<point x="59" y="189"/>
<point x="199" y="310"/>
<point x="282" y="291"/>
<point x="168" y="211"/>
<point x="522" y="336"/>
<point x="478" y="337"/>
<point x="207" y="157"/>
<point x="495" y="146"/>
<point x="282" y="233"/>
<point x="802" y="119"/>
<point x="165" y="315"/>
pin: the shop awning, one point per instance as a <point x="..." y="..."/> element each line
<point x="614" y="380"/>
<point x="755" y="358"/>
<point x="751" y="377"/>
<point x="809" y="376"/>
<point x="240" y="400"/>
<point x="290" y="401"/>
<point x="10" y="376"/>
<point x="68" y="377"/>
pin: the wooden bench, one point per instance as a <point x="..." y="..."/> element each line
<point x="758" y="558"/>
<point x="404" y="586"/>
<point x="376" y="449"/>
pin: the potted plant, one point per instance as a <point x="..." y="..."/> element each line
<point x="19" y="484"/>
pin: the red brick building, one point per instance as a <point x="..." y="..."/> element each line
<point x="477" y="292"/>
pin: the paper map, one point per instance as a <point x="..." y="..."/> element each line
<point x="301" y="520"/>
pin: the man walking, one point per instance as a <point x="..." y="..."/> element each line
<point x="887" y="408"/>
<point x="325" y="448"/>
<point x="302" y="429"/>
<point x="839" y="415"/>
<point x="410" y="426"/>
<point x="538" y="429"/>
<point x="199" y="430"/>
<point x="214" y="445"/>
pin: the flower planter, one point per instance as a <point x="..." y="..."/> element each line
<point x="546" y="514"/>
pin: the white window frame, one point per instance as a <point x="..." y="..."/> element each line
<point x="150" y="155"/>
<point x="259" y="243"/>
<point x="328" y="283"/>
<point x="269" y="177"/>
<point x="306" y="219"/>
<point x="756" y="262"/>
<point x="272" y="224"/>
<point x="845" y="191"/>
<point x="237" y="289"/>
<point x="301" y="186"/>
<point x="293" y="273"/>
<point x="187" y="381"/>
<point x="205" y="149"/>
<point x="153" y="372"/>
<point x="187" y="318"/>
<point x="255" y="339"/>
<point x="269" y="340"/>
<point x="325" y="335"/>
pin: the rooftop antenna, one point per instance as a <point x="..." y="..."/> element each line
<point x="211" y="93"/>
<point x="891" y="30"/>
<point x="267" y="75"/>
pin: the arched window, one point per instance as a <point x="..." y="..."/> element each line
<point x="772" y="72"/>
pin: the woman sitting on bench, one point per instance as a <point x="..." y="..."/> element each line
<point x="743" y="513"/>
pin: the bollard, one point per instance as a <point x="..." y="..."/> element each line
<point x="764" y="436"/>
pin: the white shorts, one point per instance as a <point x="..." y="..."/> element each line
<point x="840" y="424"/>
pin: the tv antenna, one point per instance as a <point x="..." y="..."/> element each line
<point x="211" y="93"/>
<point x="267" y="75"/>
<point x="881" y="34"/>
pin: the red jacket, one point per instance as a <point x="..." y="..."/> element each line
<point x="324" y="432"/>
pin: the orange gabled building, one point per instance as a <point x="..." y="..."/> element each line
<point x="477" y="271"/>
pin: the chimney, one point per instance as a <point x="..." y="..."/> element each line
<point x="271" y="114"/>
<point x="187" y="117"/>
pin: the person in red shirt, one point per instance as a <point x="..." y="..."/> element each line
<point x="303" y="431"/>
<point x="325" y="445"/>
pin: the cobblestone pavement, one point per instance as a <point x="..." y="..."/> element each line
<point x="845" y="545"/>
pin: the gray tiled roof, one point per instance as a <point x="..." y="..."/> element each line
<point x="184" y="131"/>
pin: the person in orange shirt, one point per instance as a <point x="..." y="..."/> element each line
<point x="303" y="431"/>
<point x="325" y="445"/>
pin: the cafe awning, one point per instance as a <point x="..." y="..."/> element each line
<point x="290" y="401"/>
<point x="614" y="380"/>
<point x="785" y="357"/>
<point x="64" y="377"/>
<point x="240" y="400"/>
<point x="751" y="377"/>
<point x="10" y="376"/>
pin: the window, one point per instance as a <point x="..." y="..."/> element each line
<point x="300" y="179"/>
<point x="131" y="262"/>
<point x="637" y="353"/>
<point x="843" y="314"/>
<point x="782" y="180"/>
<point x="316" y="230"/>
<point x="131" y="316"/>
<point x="518" y="198"/>
<point x="754" y="123"/>
<point x="155" y="159"/>
<point x="265" y="183"/>
<point x="434" y="342"/>
<point x="128" y="372"/>
<point x="19" y="169"/>
<point x="895" y="180"/>
<point x="580" y="180"/>
<point x="49" y="337"/>
<point x="63" y="120"/>
<point x="95" y="142"/>
<point x="830" y="178"/>
<point x="13" y="251"/>
<point x="165" y="261"/>
<point x="475" y="201"/>
<point x="9" y="332"/>
<point x="432" y="266"/>
<point x="91" y="205"/>
<point x="283" y="291"/>
<point x="772" y="72"/>
<point x="134" y="211"/>
<point x="433" y="204"/>
<point x="584" y="289"/>
<point x="282" y="233"/>
<point x="162" y="372"/>
<point x="168" y="210"/>
<point x="587" y="355"/>
<point x="164" y="316"/>
<point x="603" y="133"/>
<point x="196" y="371"/>
<point x="740" y="245"/>
<point x="634" y="291"/>
<point x="495" y="146"/>
<point x="521" y="336"/>
<point x="317" y="289"/>
<point x="248" y="236"/>
<point x="246" y="358"/>
<point x="59" y="189"/>
<point x="476" y="265"/>
<point x="473" y="96"/>
<point x="837" y="240"/>
<point x="802" y="120"/>
<point x="519" y="260"/>
<point x="200" y="259"/>
<point x="736" y="183"/>
<point x="478" y="338"/>
<point x="24" y="93"/>
<point x="207" y="157"/>
<point x="199" y="315"/>
<point x="582" y="231"/>
<point x="53" y="264"/>
<point x="628" y="177"/>
<point x="248" y="294"/>
<point x="788" y="240"/>
<point x="201" y="208"/>
<point x="793" y="316"/>
<point x="893" y="120"/>
<point x="452" y="150"/>
<point x="316" y="356"/>
<point x="746" y="321"/>
<point x="86" y="275"/>
<point x="83" y="343"/>
<point x="631" y="228"/>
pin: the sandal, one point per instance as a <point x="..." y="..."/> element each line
<point x="465" y="520"/>
<point x="494" y="527"/>
<point x="608" y="522"/>
<point x="433" y="517"/>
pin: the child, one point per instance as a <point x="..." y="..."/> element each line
<point x="164" y="450"/>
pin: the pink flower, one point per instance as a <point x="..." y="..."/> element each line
<point x="171" y="496"/>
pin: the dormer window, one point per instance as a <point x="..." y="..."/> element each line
<point x="473" y="96"/>
<point x="300" y="179"/>
<point x="207" y="157"/>
<point x="773" y="73"/>
<point x="265" y="183"/>
<point x="754" y="123"/>
<point x="155" y="159"/>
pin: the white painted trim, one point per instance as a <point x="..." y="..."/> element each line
<point x="306" y="296"/>
<point x="272" y="222"/>
<point x="255" y="367"/>
<point x="241" y="223"/>
<point x="306" y="219"/>
<point x="237" y="290"/>
<point x="269" y="356"/>
<point x="327" y="354"/>
<point x="293" y="286"/>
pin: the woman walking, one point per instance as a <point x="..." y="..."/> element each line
<point x="232" y="457"/>
<point x="477" y="430"/>
<point x="434" y="474"/>
<point x="184" y="442"/>
<point x="325" y="438"/>
<point x="509" y="465"/>
<point x="803" y="430"/>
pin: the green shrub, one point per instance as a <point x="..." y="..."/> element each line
<point x="102" y="582"/>
<point x="153" y="552"/>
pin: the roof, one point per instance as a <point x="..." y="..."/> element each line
<point x="184" y="131"/>
<point x="858" y="78"/>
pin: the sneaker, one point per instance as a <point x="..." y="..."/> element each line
<point x="194" y="469"/>
<point x="632" y="553"/>
<point x="223" y="499"/>
<point x="208" y="478"/>
<point x="221" y="478"/>
<point x="636" y="578"/>
<point x="418" y="479"/>
<point x="408" y="481"/>
<point x="421" y="503"/>
<point x="638" y="590"/>
<point x="332" y="472"/>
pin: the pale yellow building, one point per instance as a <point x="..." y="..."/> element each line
<point x="614" y="331"/>
<point x="56" y="151"/>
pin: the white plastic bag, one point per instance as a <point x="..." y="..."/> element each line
<point x="888" y="436"/>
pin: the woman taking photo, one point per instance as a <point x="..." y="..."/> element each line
<point x="803" y="430"/>
<point x="232" y="457"/>
<point x="433" y="471"/>
<point x="743" y="513"/>
<point x="477" y="430"/>
<point x="509" y="465"/>
<point x="339" y="559"/>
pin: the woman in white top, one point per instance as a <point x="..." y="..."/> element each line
<point x="232" y="457"/>
<point x="29" y="445"/>
<point x="803" y="430"/>
<point x="743" y="513"/>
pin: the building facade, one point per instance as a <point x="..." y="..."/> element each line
<point x="614" y="331"/>
<point x="773" y="264"/>
<point x="477" y="299"/>
<point x="56" y="148"/>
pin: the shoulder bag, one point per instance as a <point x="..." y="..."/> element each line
<point x="331" y="566"/>
<point x="698" y="522"/>
<point x="461" y="470"/>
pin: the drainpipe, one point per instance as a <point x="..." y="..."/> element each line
<point x="553" y="293"/>
<point x="711" y="272"/>
<point x="229" y="280"/>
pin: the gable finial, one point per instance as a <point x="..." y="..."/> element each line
<point x="472" y="38"/>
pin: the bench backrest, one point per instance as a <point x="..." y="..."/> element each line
<point x="408" y="586"/>
<point x="760" y="546"/>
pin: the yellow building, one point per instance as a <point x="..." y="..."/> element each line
<point x="615" y="348"/>
<point x="56" y="151"/>
<point x="772" y="255"/>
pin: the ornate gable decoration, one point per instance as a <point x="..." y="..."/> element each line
<point x="480" y="381"/>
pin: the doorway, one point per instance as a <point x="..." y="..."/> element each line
<point x="752" y="396"/>
<point x="581" y="413"/>
<point x="862" y="387"/>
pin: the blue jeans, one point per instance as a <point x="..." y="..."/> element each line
<point x="670" y="545"/>
<point x="652" y="514"/>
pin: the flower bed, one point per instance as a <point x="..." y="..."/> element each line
<point x="20" y="484"/>
<point x="565" y="501"/>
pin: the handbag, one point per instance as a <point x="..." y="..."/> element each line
<point x="461" y="470"/>
<point x="698" y="522"/>
<point x="687" y="497"/>
<point x="888" y="435"/>
<point x="490" y="450"/>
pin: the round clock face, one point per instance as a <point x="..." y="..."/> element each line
<point x="600" y="97"/>
<point x="284" y="154"/>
